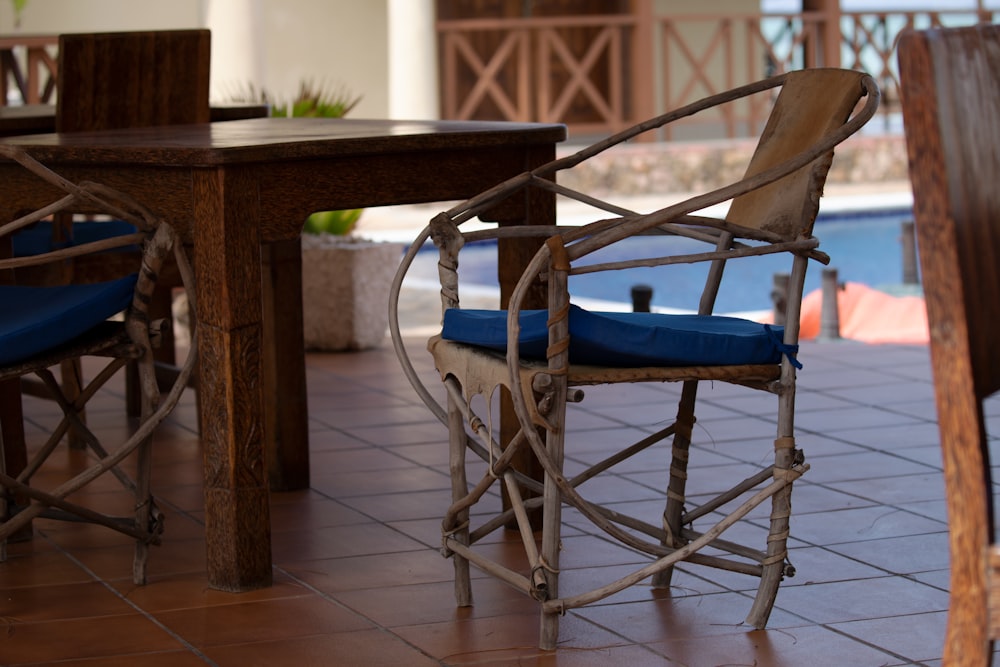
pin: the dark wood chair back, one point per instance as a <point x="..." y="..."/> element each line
<point x="133" y="79"/>
<point x="951" y="110"/>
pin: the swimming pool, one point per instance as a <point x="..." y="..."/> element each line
<point x="863" y="247"/>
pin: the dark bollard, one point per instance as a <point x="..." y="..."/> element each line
<point x="909" y="241"/>
<point x="829" y="314"/>
<point x="779" y="297"/>
<point x="642" y="297"/>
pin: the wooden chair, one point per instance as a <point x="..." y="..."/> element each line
<point x="112" y="81"/>
<point x="950" y="88"/>
<point x="43" y="326"/>
<point x="133" y="79"/>
<point x="564" y="348"/>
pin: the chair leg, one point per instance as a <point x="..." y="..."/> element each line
<point x="459" y="489"/>
<point x="777" y="538"/>
<point x="71" y="380"/>
<point x="143" y="510"/>
<point x="146" y="520"/>
<point x="160" y="308"/>
<point x="555" y="442"/>
<point x="676" y="487"/>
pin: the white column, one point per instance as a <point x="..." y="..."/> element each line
<point x="413" y="81"/>
<point x="238" y="49"/>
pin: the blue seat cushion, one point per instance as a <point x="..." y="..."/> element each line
<point x="37" y="239"/>
<point x="36" y="319"/>
<point x="628" y="340"/>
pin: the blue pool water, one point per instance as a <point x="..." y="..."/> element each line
<point x="864" y="248"/>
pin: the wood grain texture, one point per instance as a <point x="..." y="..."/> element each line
<point x="133" y="79"/>
<point x="951" y="98"/>
<point x="286" y="420"/>
<point x="234" y="534"/>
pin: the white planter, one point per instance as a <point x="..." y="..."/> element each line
<point x="345" y="291"/>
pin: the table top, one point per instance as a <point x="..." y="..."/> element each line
<point x="41" y="118"/>
<point x="27" y="119"/>
<point x="276" y="139"/>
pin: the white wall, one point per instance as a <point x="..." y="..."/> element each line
<point x="56" y="16"/>
<point x="341" y="43"/>
<point x="338" y="43"/>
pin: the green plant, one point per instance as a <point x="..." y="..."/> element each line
<point x="311" y="101"/>
<point x="19" y="6"/>
<point x="315" y="102"/>
<point x="338" y="223"/>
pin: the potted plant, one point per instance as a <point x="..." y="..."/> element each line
<point x="345" y="278"/>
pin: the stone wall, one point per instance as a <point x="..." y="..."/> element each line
<point x="679" y="167"/>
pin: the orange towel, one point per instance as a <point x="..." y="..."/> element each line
<point x="869" y="315"/>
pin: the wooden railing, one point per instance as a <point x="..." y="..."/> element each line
<point x="528" y="70"/>
<point x="30" y="63"/>
<point x="599" y="74"/>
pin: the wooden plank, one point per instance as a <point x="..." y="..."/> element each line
<point x="951" y="95"/>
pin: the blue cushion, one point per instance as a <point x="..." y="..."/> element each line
<point x="37" y="238"/>
<point x="36" y="319"/>
<point x="628" y="340"/>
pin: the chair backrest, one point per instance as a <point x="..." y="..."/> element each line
<point x="950" y="88"/>
<point x="133" y="79"/>
<point x="811" y="104"/>
<point x="144" y="229"/>
<point x="952" y="107"/>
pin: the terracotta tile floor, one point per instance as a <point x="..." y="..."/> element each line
<point x="359" y="581"/>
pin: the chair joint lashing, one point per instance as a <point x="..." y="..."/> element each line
<point x="776" y="558"/>
<point x="539" y="580"/>
<point x="155" y="526"/>
<point x="449" y="534"/>
<point x="785" y="442"/>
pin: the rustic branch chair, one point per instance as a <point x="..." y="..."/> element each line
<point x="565" y="347"/>
<point x="42" y="326"/>
<point x="109" y="81"/>
<point x="950" y="89"/>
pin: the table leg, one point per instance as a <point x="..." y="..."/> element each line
<point x="286" y="417"/>
<point x="15" y="454"/>
<point x="229" y="312"/>
<point x="536" y="207"/>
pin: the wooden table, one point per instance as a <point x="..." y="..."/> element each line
<point x="41" y="118"/>
<point x="239" y="192"/>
